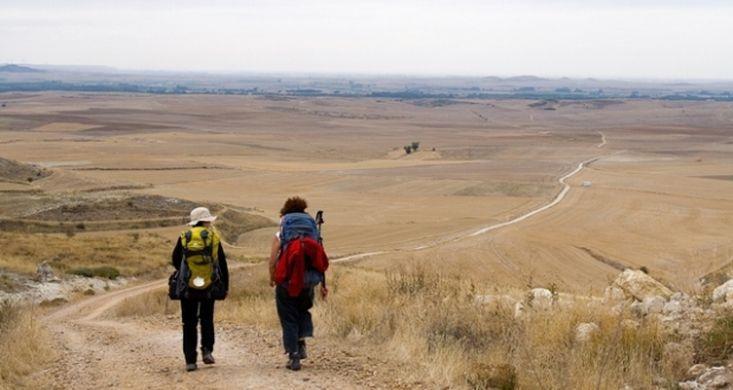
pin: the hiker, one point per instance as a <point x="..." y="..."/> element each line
<point x="201" y="277"/>
<point x="297" y="264"/>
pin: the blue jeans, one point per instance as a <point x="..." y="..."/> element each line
<point x="295" y="317"/>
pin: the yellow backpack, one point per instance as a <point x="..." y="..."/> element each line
<point x="201" y="253"/>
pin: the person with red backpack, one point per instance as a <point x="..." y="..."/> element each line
<point x="298" y="264"/>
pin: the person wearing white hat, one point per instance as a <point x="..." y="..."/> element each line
<point x="202" y="266"/>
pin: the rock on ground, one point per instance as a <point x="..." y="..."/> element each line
<point x="541" y="298"/>
<point x="723" y="293"/>
<point x="710" y="378"/>
<point x="638" y="285"/>
<point x="585" y="331"/>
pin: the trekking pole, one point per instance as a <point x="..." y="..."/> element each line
<point x="319" y="222"/>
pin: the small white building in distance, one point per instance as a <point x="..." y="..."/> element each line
<point x="587" y="183"/>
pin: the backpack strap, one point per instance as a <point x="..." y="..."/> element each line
<point x="186" y="238"/>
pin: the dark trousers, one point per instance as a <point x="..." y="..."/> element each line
<point x="295" y="319"/>
<point x="193" y="311"/>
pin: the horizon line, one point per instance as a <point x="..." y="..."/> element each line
<point x="222" y="72"/>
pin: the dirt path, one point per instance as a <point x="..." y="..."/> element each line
<point x="97" y="351"/>
<point x="603" y="140"/>
<point x="558" y="198"/>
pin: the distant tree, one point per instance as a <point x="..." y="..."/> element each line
<point x="408" y="149"/>
<point x="415" y="145"/>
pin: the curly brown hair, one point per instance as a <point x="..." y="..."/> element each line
<point x="295" y="204"/>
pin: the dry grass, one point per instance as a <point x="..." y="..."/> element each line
<point x="149" y="304"/>
<point x="419" y="313"/>
<point x="25" y="346"/>
<point x="251" y="299"/>
<point x="143" y="254"/>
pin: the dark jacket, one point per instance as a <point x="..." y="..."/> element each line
<point x="177" y="257"/>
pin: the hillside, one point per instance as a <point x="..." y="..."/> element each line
<point x="12" y="68"/>
<point x="13" y="171"/>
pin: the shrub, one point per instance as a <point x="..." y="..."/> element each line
<point x="414" y="146"/>
<point x="492" y="376"/>
<point x="25" y="345"/>
<point x="716" y="345"/>
<point x="100" y="272"/>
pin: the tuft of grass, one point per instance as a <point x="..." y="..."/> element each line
<point x="148" y="304"/>
<point x="25" y="346"/>
<point x="251" y="300"/>
<point x="492" y="376"/>
<point x="100" y="272"/>
<point x="716" y="345"/>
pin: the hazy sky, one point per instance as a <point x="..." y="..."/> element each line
<point x="575" y="38"/>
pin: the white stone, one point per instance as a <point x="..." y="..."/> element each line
<point x="584" y="332"/>
<point x="721" y="294"/>
<point x="613" y="294"/>
<point x="689" y="385"/>
<point x="519" y="310"/>
<point x="44" y="272"/>
<point x="653" y="305"/>
<point x="715" y="378"/>
<point x="638" y="285"/>
<point x="541" y="298"/>
<point x="672" y="307"/>
<point x="696" y="370"/>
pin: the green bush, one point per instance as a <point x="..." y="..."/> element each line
<point x="100" y="272"/>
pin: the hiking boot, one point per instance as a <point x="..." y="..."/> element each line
<point x="293" y="362"/>
<point x="191" y="367"/>
<point x="208" y="357"/>
<point x="301" y="350"/>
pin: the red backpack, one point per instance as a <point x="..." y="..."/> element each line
<point x="301" y="264"/>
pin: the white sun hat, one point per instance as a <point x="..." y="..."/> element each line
<point x="201" y="214"/>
